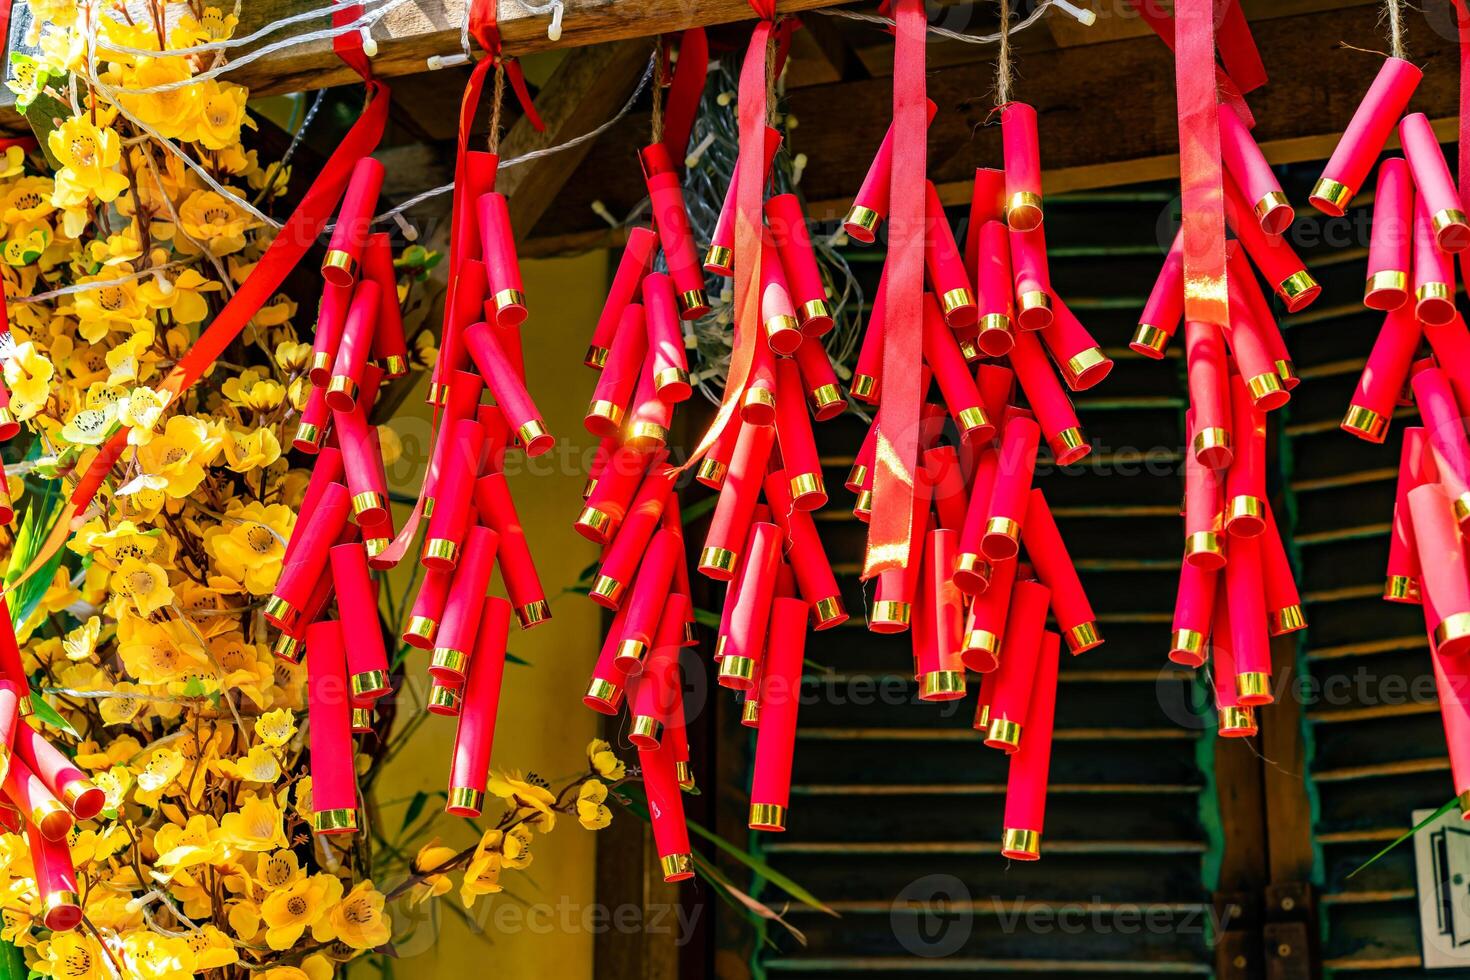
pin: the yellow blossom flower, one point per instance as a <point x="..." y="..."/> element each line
<point x="249" y="544"/>
<point x="245" y="451"/>
<point x="148" y="955"/>
<point x="141" y="410"/>
<point x="221" y="114"/>
<point x="26" y="199"/>
<point x="88" y="155"/>
<point x="290" y="911"/>
<point x="529" y="802"/>
<point x="292" y="357"/>
<point x="358" y="920"/>
<point x="178" y="290"/>
<point x="590" y="809"/>
<point x="94" y="755"/>
<point x="81" y="643"/>
<point x="157" y="775"/>
<point x="275" y="728"/>
<point x="72" y="956"/>
<point x="256" y="826"/>
<point x="603" y="761"/>
<point x="431" y="855"/>
<point x="173" y="113"/>
<point x="184" y="847"/>
<point x="482" y="875"/>
<point x="277" y="869"/>
<point x="28" y="377"/>
<point x="216" y="223"/>
<point x="145" y="584"/>
<point x="120" y="709"/>
<point x="259" y="765"/>
<point x="181" y="454"/>
<point x="212" y="948"/>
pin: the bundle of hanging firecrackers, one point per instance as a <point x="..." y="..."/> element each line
<point x="344" y="530"/>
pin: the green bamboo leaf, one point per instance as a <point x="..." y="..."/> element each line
<point x="415" y="807"/>
<point x="511" y="658"/>
<point x="698" y="509"/>
<point x="1410" y="833"/>
<point x="48" y="715"/>
<point x="707" y="618"/>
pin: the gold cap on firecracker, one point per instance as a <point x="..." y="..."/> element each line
<point x="1004" y="733"/>
<point x="288" y="648"/>
<point x="368" y="501"/>
<point x="339" y="821"/>
<point x="890" y="611"/>
<point x="676" y="867"/>
<point x="719" y="258"/>
<point x="368" y="682"/>
<point x="1203" y="543"/>
<point x="604" y="692"/>
<point x="1401" y="588"/>
<point x="611" y="411"/>
<point x="684" y="772"/>
<point x="596" y="357"/>
<point x="1023" y="210"/>
<point x="956" y="299"/>
<point x="864" y="219"/>
<point x="711" y="472"/>
<point x="1330" y="196"/>
<point x="450" y="659"/>
<point x="465" y="800"/>
<point x="533" y="613"/>
<point x="767" y="816"/>
<point x="750" y="712"/>
<point x="863" y="386"/>
<point x="736" y="671"/>
<point x="1453" y="627"/>
<point x="1253" y="684"/>
<point x="647" y="727"/>
<point x="1083" y="637"/>
<point x="1020" y="845"/>
<point x="830" y="611"/>
<point x="281" y="611"/>
<point x="1213" y="438"/>
<point x="717" y="559"/>
<point x="1188" y="642"/>
<point x="1287" y="619"/>
<point x="1149" y="341"/>
<point x="609" y="588"/>
<point x="1365" y="423"/>
<point x="693" y="303"/>
<point x="441" y="550"/>
<point x="1385" y="280"/>
<point x="942" y="685"/>
<point x="421" y="628"/>
<point x="1237" y="720"/>
<point x="805" y="484"/>
<point x="339" y="267"/>
<point x="508" y="298"/>
<point x="443" y="700"/>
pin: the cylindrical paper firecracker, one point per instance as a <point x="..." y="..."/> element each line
<point x="622" y="557"/>
<point x="326" y="470"/>
<point x="862" y="465"/>
<point x="1245" y="481"/>
<point x="621" y="368"/>
<point x="987" y="204"/>
<point x="758" y="405"/>
<point x="1032" y="275"/>
<point x="1263" y="318"/>
<point x="9" y="426"/>
<point x="1054" y="566"/>
<point x="1450" y="343"/>
<point x="972" y="571"/>
<point x="1078" y="355"/>
<point x="945" y="265"/>
<point x="730" y="523"/>
<point x="517" y="567"/>
<point x="727" y="608"/>
<point x="56" y="880"/>
<point x="11" y="693"/>
<point x="940" y="631"/>
<point x="656" y="687"/>
<point x="1020" y="650"/>
<point x="808" y="558"/>
<point x="11" y="664"/>
<point x="605" y="688"/>
<point x="329" y="709"/>
<point x="1283" y="602"/>
<point x="868" y="370"/>
<point x="672" y="221"/>
<point x="1433" y="181"/>
<point x="636" y="260"/>
<point x="820" y="381"/>
<point x="1452" y="684"/>
<point x="308" y="558"/>
<point x="1247" y="165"/>
<point x="509" y="390"/>
<point x="986" y="624"/>
<point x="1253" y="357"/>
<point x="1234" y="718"/>
<point x="942" y="354"/>
<point x="1031" y="765"/>
<point x="476" y="176"/>
<point x="1365" y="135"/>
<point x="352" y="353"/>
<point x="362" y="460"/>
<point x="1194" y="606"/>
<point x="460" y="398"/>
<point x="646" y="601"/>
<point x="467" y="306"/>
<point x="778" y="312"/>
<point x="390" y="349"/>
<point x="1164" y="308"/>
<point x="1434" y="271"/>
<point x="716" y="462"/>
<point x="870" y="206"/>
<point x="1445" y="428"/>
<point x="745" y="643"/>
<point x="941" y="470"/>
<point x="1391" y="242"/>
<point x="799" y="260"/>
<point x="665" y="339"/>
<point x="316" y="418"/>
<point x="427" y="609"/>
<point x="780" y="698"/>
<point x="677" y="732"/>
<point x="1011" y="491"/>
<point x="354" y="217"/>
<point x="502" y="265"/>
<point x="719" y="258"/>
<point x="30" y="794"/>
<point x="1401" y="583"/>
<point x="475" y="735"/>
<point x="1022" y="149"/>
<point x="1384" y="376"/>
<point x="609" y="499"/>
<point x="797" y="443"/>
<point x="1047" y="399"/>
<point x="1443" y="583"/>
<point x="598" y="462"/>
<point x="666" y="812"/>
<point x="892" y="608"/>
<point x="1204" y="514"/>
<point x="291" y="644"/>
<point x="996" y="383"/>
<point x="1272" y="254"/>
<point x="455" y="640"/>
<point x="994" y="289"/>
<point x="1209" y="393"/>
<point x="453" y="494"/>
<point x="1249" y="640"/>
<point x="357" y="609"/>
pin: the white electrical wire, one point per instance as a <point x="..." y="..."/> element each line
<point x="232" y="42"/>
<point x="1081" y="15"/>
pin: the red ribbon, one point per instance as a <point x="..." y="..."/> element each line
<point x="685" y="91"/>
<point x="1242" y="57"/>
<point x="1462" y="21"/>
<point x="1238" y="51"/>
<point x="349" y="46"/>
<point x="1199" y="162"/>
<point x="485" y="29"/>
<point x="890" y="529"/>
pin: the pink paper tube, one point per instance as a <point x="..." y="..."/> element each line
<point x="627" y="548"/>
<point x="354" y="217"/>
<point x="716" y="462"/>
<point x="608" y="502"/>
<point x="671" y="219"/>
<point x="1384" y="376"/>
<point x="797" y="443"/>
<point x="892" y="608"/>
<point x="1443" y="582"/>
<point x="1022" y="148"/>
<point x="1031" y="765"/>
<point x="745" y="644"/>
<point x="597" y="462"/>
<point x="1365" y="135"/>
<point x="862" y="465"/>
<point x="808" y="557"/>
<point x="331" y="317"/>
<point x="666" y="812"/>
<point x="1011" y="492"/>
<point x="517" y="567"/>
<point x="35" y="800"/>
<point x="509" y="390"/>
<point x="656" y="688"/>
<point x="476" y="174"/>
<point x="1272" y="254"/>
<point x="325" y="471"/>
<point x="730" y="523"/>
<point x="822" y="390"/>
<point x="1047" y="399"/>
<point x="942" y="354"/>
<point x="455" y="640"/>
<point x="427" y="609"/>
<point x="56" y="880"/>
<point x="972" y="570"/>
<point x="665" y="339"/>
<point x="1249" y="641"/>
<point x="65" y="781"/>
<point x="778" y="312"/>
<point x="1209" y="393"/>
<point x="12" y="666"/>
<point x="1234" y="718"/>
<point x="1032" y="279"/>
<point x="1194" y="606"/>
<point x="1445" y="428"/>
<point x="502" y="265"/>
<point x="1263" y="318"/>
<point x="995" y="288"/>
<point x="799" y="260"/>
<point x="650" y="593"/>
<point x="357" y="609"/>
<point x="673" y="521"/>
<point x="1450" y="343"/>
<point x="719" y="258"/>
<point x="727" y="609"/>
<point x="1054" y="566"/>
<point x="352" y="353"/>
<point x="291" y="644"/>
<point x="985" y="628"/>
<point x="939" y="631"/>
<point x="945" y="264"/>
<point x="1253" y="355"/>
<point x="996" y="384"/>
<point x="1392" y="239"/>
<point x="329" y="708"/>
<point x="869" y="368"/>
<point x="1077" y="354"/>
<point x="987" y="204"/>
<point x="1204" y="514"/>
<point x="362" y="461"/>
<point x="12" y="693"/>
<point x="780" y="698"/>
<point x="621" y="368"/>
<point x="1283" y="602"/>
<point x="1435" y="184"/>
<point x="870" y="206"/>
<point x="308" y="562"/>
<point x="677" y="733"/>
<point x="981" y="721"/>
<point x="1247" y="166"/>
<point x="475" y="735"/>
<point x="467" y="306"/>
<point x="316" y="420"/>
<point x="461" y="402"/>
<point x="758" y="405"/>
<point x="648" y="424"/>
<point x="1020" y="650"/>
<point x="389" y="348"/>
<point x="1452" y="684"/>
<point x="606" y="688"/>
<point x="453" y="494"/>
<point x="1164" y="308"/>
<point x="635" y="262"/>
<point x="1434" y="272"/>
<point x="1245" y="481"/>
<point x="1401" y="583"/>
<point x="941" y="470"/>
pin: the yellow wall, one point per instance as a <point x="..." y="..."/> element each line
<point x="542" y="725"/>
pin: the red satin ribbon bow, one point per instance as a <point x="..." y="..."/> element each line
<point x="485" y="29"/>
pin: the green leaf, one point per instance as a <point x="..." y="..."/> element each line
<point x="48" y="715"/>
<point x="1410" y="833"/>
<point x="698" y="509"/>
<point x="415" y="807"/>
<point x="707" y="618"/>
<point x="511" y="658"/>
